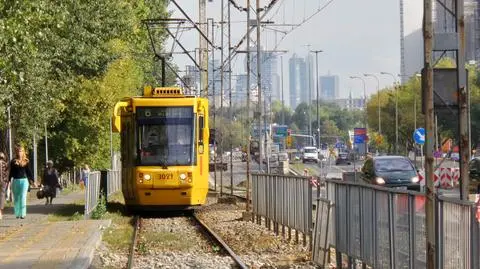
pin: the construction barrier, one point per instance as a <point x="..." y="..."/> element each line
<point x="444" y="178"/>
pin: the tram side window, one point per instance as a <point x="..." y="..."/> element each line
<point x="201" y="125"/>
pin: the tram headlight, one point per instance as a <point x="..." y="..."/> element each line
<point x="183" y="176"/>
<point x="147" y="177"/>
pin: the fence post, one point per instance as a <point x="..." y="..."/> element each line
<point x="104" y="184"/>
<point x="475" y="239"/>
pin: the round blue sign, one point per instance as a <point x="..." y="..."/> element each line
<point x="419" y="136"/>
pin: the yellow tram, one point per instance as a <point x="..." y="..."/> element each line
<point x="164" y="149"/>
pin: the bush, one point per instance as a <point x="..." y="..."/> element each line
<point x="100" y="210"/>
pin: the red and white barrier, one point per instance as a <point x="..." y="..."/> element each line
<point x="444" y="178"/>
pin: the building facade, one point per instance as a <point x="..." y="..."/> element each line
<point x="297" y="80"/>
<point x="329" y="87"/>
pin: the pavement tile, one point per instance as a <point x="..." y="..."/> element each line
<point x="34" y="242"/>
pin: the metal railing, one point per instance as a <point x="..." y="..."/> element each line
<point x="114" y="182"/>
<point x="92" y="193"/>
<point x="283" y="200"/>
<point x="385" y="228"/>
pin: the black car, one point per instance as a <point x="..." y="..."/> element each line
<point x="391" y="171"/>
<point x="343" y="158"/>
<point x="474" y="171"/>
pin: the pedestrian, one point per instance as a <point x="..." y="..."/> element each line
<point x="20" y="176"/>
<point x="3" y="181"/>
<point x="50" y="182"/>
<point x="84" y="174"/>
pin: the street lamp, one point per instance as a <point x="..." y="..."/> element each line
<point x="365" y="107"/>
<point x="378" y="98"/>
<point x="364" y="99"/>
<point x="396" y="108"/>
<point x="318" y="95"/>
<point x="418" y="76"/>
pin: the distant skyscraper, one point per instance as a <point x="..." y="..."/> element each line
<point x="240" y="95"/>
<point x="312" y="82"/>
<point x="268" y="65"/>
<point x="329" y="87"/>
<point x="298" y="80"/>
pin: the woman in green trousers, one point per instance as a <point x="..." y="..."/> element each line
<point x="21" y="176"/>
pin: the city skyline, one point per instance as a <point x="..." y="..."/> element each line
<point x="378" y="44"/>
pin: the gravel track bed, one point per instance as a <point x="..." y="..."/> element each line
<point x="175" y="242"/>
<point x="181" y="245"/>
<point x="254" y="244"/>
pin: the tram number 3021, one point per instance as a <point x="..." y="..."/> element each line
<point x="166" y="176"/>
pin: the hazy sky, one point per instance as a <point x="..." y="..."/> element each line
<point x="357" y="36"/>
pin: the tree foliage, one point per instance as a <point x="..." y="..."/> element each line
<point x="65" y="64"/>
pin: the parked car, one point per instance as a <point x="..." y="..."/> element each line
<point x="343" y="158"/>
<point x="310" y="154"/>
<point x="474" y="171"/>
<point x="391" y="171"/>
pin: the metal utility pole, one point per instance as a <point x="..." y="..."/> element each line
<point x="10" y="148"/>
<point x="221" y="95"/>
<point x="262" y="147"/>
<point x="395" y="85"/>
<point x="203" y="48"/>
<point x="248" y="107"/>
<point x="230" y="92"/>
<point x="378" y="101"/>
<point x="309" y="94"/>
<point x="365" y="122"/>
<point x="464" y="144"/>
<point x="214" y="109"/>
<point x="35" y="159"/>
<point x="427" y="87"/>
<point x="283" y="100"/>
<point x="318" y="96"/>
<point x="46" y="144"/>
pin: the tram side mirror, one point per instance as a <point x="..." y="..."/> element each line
<point x="201" y="125"/>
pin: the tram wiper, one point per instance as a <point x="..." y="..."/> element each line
<point x="163" y="164"/>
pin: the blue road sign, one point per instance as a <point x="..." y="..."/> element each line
<point x="419" y="136"/>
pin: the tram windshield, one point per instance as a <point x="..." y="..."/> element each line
<point x="165" y="136"/>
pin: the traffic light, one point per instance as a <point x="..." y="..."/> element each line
<point x="289" y="141"/>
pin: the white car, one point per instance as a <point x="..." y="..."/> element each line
<point x="309" y="154"/>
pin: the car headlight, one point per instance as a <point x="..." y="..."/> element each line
<point x="415" y="179"/>
<point x="147" y="177"/>
<point x="380" y="180"/>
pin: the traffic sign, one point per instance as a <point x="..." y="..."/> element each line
<point x="419" y="136"/>
<point x="360" y="135"/>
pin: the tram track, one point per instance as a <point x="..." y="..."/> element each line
<point x="199" y="225"/>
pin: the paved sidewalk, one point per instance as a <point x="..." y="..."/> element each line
<point x="34" y="242"/>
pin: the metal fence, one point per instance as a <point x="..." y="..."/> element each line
<point x="92" y="193"/>
<point x="283" y="200"/>
<point x="384" y="228"/>
<point x="114" y="182"/>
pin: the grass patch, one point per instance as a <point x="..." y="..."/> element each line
<point x="118" y="236"/>
<point x="70" y="188"/>
<point x="69" y="212"/>
<point x="298" y="167"/>
<point x="163" y="239"/>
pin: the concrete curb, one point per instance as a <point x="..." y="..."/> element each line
<point x="87" y="252"/>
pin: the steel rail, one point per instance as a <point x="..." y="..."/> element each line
<point x="136" y="228"/>
<point x="219" y="240"/>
